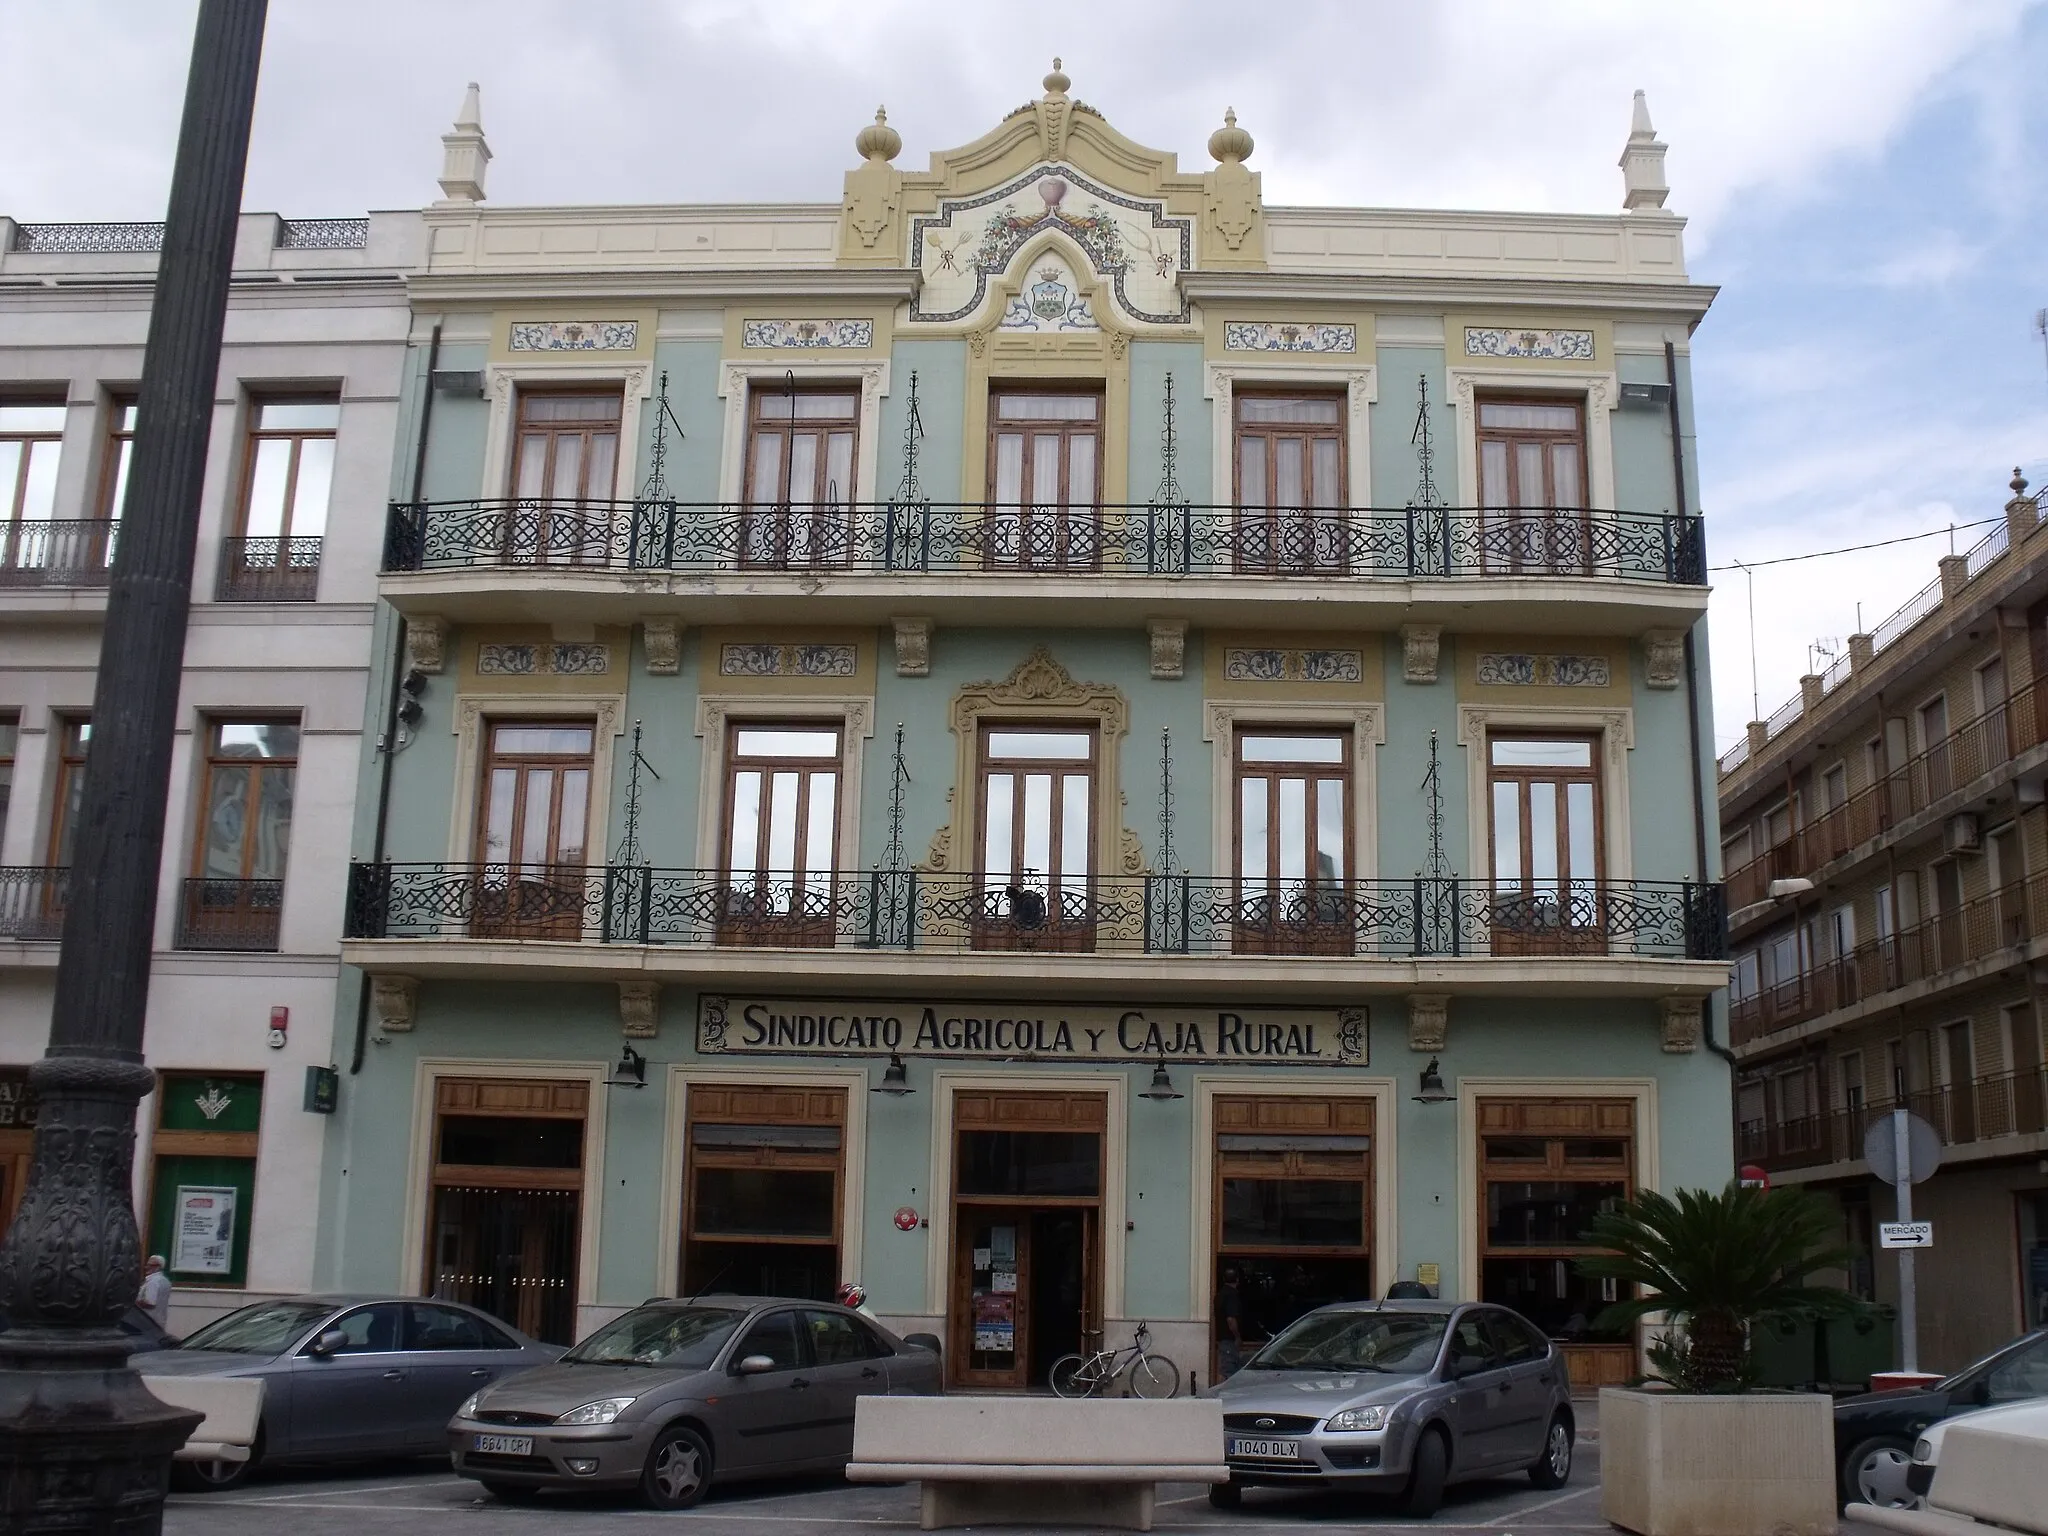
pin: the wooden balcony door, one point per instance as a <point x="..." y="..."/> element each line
<point x="533" y="830"/>
<point x="1044" y="481"/>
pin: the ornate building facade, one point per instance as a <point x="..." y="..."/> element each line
<point x="1047" y="737"/>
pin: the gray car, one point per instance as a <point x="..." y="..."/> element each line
<point x="1400" y="1397"/>
<point x="348" y="1377"/>
<point x="676" y="1395"/>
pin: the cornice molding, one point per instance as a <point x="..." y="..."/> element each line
<point x="505" y="286"/>
<point x="1452" y="290"/>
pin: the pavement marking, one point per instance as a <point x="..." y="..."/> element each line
<point x="280" y="1498"/>
<point x="1531" y="1509"/>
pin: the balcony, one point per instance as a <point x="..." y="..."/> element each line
<point x="1164" y="915"/>
<point x="1966" y="1114"/>
<point x="57" y="554"/>
<point x="32" y="902"/>
<point x="1927" y="952"/>
<point x="229" y="914"/>
<point x="1924" y="780"/>
<point x="268" y="571"/>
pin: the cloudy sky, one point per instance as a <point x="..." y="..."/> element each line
<point x="1863" y="178"/>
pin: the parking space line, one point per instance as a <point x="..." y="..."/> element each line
<point x="281" y="1498"/>
<point x="1532" y="1509"/>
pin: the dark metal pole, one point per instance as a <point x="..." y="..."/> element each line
<point x="83" y="1447"/>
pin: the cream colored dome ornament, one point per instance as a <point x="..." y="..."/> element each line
<point x="878" y="141"/>
<point x="1230" y="142"/>
<point x="1056" y="83"/>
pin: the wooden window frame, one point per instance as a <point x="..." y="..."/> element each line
<point x="1328" y="527"/>
<point x="1549" y="537"/>
<point x="1326" y="925"/>
<point x="255" y="435"/>
<point x="527" y="897"/>
<point x="523" y="424"/>
<point x="71" y="764"/>
<point x="117" y="439"/>
<point x="215" y="760"/>
<point x="743" y="917"/>
<point x="829" y="546"/>
<point x="1570" y="936"/>
<point x="16" y="495"/>
<point x="1012" y="925"/>
<point x="763" y="1103"/>
<point x="1063" y="512"/>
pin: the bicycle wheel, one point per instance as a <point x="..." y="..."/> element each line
<point x="1154" y="1376"/>
<point x="1068" y="1379"/>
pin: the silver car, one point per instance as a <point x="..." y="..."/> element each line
<point x="676" y="1395"/>
<point x="1402" y="1397"/>
<point x="348" y="1377"/>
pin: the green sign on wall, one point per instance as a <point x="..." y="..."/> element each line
<point x="203" y="1101"/>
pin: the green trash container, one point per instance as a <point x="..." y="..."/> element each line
<point x="1783" y="1353"/>
<point x="1860" y="1346"/>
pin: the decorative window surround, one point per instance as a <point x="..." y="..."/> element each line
<point x="1642" y="1090"/>
<point x="682" y="1076"/>
<point x="1598" y="390"/>
<point x="502" y="381"/>
<point x="736" y="377"/>
<point x="947" y="1085"/>
<point x="1616" y="728"/>
<point x="418" y="1186"/>
<point x="1362" y="387"/>
<point x="1211" y="1085"/>
<point x="716" y="710"/>
<point x="1222" y="719"/>
<point x="473" y="709"/>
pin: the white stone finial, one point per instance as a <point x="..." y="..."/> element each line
<point x="1642" y="163"/>
<point x="464" y="154"/>
<point x="878" y="141"/>
<point x="1230" y="142"/>
<point x="1057" y="82"/>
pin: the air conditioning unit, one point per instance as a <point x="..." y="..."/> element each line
<point x="1962" y="834"/>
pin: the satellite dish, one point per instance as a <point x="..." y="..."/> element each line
<point x="1923" y="1150"/>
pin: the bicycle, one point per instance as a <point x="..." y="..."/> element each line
<point x="1146" y="1374"/>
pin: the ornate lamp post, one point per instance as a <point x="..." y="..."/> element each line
<point x="83" y="1447"/>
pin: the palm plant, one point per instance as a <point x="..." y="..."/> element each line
<point x="1721" y="1264"/>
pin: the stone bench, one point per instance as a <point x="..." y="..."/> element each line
<point x="1986" y="1477"/>
<point x="233" y="1406"/>
<point x="1037" y="1460"/>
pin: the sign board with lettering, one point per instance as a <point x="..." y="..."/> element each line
<point x="203" y="1239"/>
<point x="17" y="1100"/>
<point x="1905" y="1234"/>
<point x="1013" y="1031"/>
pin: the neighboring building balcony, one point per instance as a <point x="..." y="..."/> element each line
<point x="217" y="914"/>
<point x="1947" y="778"/>
<point x="57" y="554"/>
<point x="1976" y="1115"/>
<point x="1947" y="949"/>
<point x="1650" y="565"/>
<point x="259" y="570"/>
<point x="1156" y="920"/>
<point x="32" y="902"/>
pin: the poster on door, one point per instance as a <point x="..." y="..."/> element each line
<point x="995" y="1322"/>
<point x="203" y="1230"/>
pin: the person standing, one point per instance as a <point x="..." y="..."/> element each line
<point x="155" y="1295"/>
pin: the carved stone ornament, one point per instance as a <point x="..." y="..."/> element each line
<point x="426" y="645"/>
<point x="663" y="639"/>
<point x="1682" y="1023"/>
<point x="1428" y="1021"/>
<point x="1169" y="648"/>
<point x="913" y="647"/>
<point x="393" y="1000"/>
<point x="874" y="190"/>
<point x="1663" y="657"/>
<point x="1233" y="191"/>
<point x="639" y="1013"/>
<point x="1420" y="644"/>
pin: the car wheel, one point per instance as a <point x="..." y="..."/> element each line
<point x="1427" y="1475"/>
<point x="1874" y="1472"/>
<point x="510" y="1493"/>
<point x="1553" y="1469"/>
<point x="1225" y="1496"/>
<point x="216" y="1476"/>
<point x="678" y="1468"/>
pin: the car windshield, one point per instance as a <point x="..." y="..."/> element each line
<point x="2027" y="1348"/>
<point x="268" y="1328"/>
<point x="1395" y="1342"/>
<point x="689" y="1337"/>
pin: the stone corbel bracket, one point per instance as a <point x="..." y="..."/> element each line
<point x="1683" y="1019"/>
<point x="640" y="1009"/>
<point x="663" y="642"/>
<point x="1420" y="644"/>
<point x="1663" y="657"/>
<point x="1169" y="648"/>
<point x="394" y="1001"/>
<point x="426" y="645"/>
<point x="1428" y="1021"/>
<point x="913" y="647"/>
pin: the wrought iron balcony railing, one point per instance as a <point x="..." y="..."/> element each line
<point x="229" y="914"/>
<point x="2006" y="1104"/>
<point x="269" y="570"/>
<point x="32" y="901"/>
<point x="1141" y="914"/>
<point x="57" y="554"/>
<point x="1122" y="540"/>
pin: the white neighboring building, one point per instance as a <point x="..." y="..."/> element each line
<point x="270" y="736"/>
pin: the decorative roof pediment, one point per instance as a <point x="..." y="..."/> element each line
<point x="1053" y="166"/>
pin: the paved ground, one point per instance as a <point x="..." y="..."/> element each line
<point x="429" y="1501"/>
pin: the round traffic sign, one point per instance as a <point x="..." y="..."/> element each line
<point x="1753" y="1176"/>
<point x="1923" y="1149"/>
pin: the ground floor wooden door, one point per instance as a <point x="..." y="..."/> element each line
<point x="1026" y="1274"/>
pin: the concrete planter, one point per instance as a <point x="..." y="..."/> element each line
<point x="1672" y="1464"/>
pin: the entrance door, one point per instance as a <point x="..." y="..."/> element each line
<point x="764" y="1170"/>
<point x="1026" y="1280"/>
